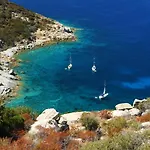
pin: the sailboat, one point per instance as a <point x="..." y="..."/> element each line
<point x="104" y="94"/>
<point x="70" y="64"/>
<point x="94" y="66"/>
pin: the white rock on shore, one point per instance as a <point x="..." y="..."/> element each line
<point x="50" y="118"/>
<point x="134" y="112"/>
<point x="7" y="81"/>
<point x="72" y="117"/>
<point x="120" y="113"/>
<point x="44" y="120"/>
<point x="123" y="106"/>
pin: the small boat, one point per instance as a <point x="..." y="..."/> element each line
<point x="104" y="94"/>
<point x="70" y="64"/>
<point x="94" y="66"/>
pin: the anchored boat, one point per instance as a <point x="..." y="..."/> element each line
<point x="94" y="66"/>
<point x="104" y="94"/>
<point x="70" y="64"/>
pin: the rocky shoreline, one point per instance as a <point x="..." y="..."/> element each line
<point x="9" y="80"/>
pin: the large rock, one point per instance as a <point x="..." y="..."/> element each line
<point x="68" y="30"/>
<point x="123" y="106"/>
<point x="72" y="117"/>
<point x="11" y="72"/>
<point x="48" y="114"/>
<point x="120" y="113"/>
<point x="137" y="101"/>
<point x="46" y="120"/>
<point x="134" y="112"/>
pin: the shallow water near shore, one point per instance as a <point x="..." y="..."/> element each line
<point x="115" y="33"/>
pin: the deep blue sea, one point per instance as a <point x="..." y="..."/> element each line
<point x="116" y="33"/>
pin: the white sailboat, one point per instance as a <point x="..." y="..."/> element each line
<point x="94" y="66"/>
<point x="104" y="94"/>
<point x="70" y="64"/>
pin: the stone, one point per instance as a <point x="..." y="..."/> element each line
<point x="147" y="111"/>
<point x="63" y="127"/>
<point x="48" y="114"/>
<point x="68" y="30"/>
<point x="72" y="117"/>
<point x="120" y="113"/>
<point x="123" y="106"/>
<point x="145" y="124"/>
<point x="134" y="112"/>
<point x="62" y="120"/>
<point x="11" y="72"/>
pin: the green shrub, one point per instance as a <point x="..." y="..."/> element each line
<point x="126" y="141"/>
<point x="89" y="122"/>
<point x="9" y="121"/>
<point x="114" y="126"/>
<point x="22" y="110"/>
<point x="133" y="124"/>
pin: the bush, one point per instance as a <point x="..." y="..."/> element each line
<point x="114" y="126"/>
<point x="144" y="118"/>
<point x="126" y="141"/>
<point x="89" y="122"/>
<point x="142" y="106"/>
<point x="133" y="124"/>
<point x="9" y="121"/>
<point x="105" y="114"/>
<point x="86" y="135"/>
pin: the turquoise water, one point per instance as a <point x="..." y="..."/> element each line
<point x="115" y="33"/>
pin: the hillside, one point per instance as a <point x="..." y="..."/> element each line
<point x="18" y="24"/>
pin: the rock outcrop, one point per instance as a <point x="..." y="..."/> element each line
<point x="123" y="106"/>
<point x="49" y="118"/>
<point x="125" y="110"/>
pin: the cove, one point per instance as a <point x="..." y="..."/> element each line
<point x="115" y="33"/>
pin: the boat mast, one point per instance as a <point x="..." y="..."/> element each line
<point x="70" y="60"/>
<point x="94" y="61"/>
<point x="104" y="87"/>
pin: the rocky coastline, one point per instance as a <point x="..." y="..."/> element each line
<point x="53" y="33"/>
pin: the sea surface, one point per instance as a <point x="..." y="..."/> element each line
<point x="116" y="33"/>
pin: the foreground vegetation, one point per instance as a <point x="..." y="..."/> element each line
<point x="122" y="141"/>
<point x="15" y="120"/>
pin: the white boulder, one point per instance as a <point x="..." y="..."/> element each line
<point x="72" y="117"/>
<point x="48" y="114"/>
<point x="134" y="112"/>
<point x="46" y="120"/>
<point x="123" y="106"/>
<point x="120" y="113"/>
